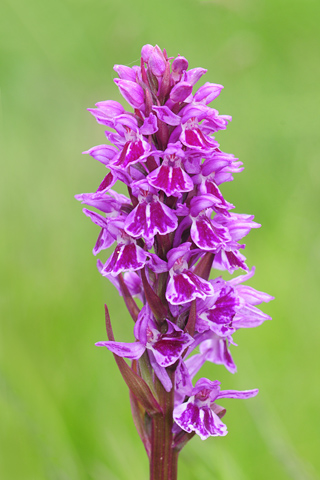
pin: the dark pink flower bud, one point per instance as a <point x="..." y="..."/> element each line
<point x="157" y="62"/>
<point x="125" y="73"/>
<point x="146" y="52"/>
<point x="179" y="64"/>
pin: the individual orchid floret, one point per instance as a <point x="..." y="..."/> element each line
<point x="128" y="256"/>
<point x="134" y="147"/>
<point x="184" y="285"/>
<point x="166" y="347"/>
<point x="193" y="137"/>
<point x="207" y="233"/>
<point x="218" y="311"/>
<point x="231" y="307"/>
<point x="150" y="216"/>
<point x="170" y="176"/>
<point x="200" y="414"/>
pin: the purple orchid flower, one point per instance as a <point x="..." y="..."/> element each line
<point x="184" y="285"/>
<point x="170" y="176"/>
<point x="200" y="414"/>
<point x="170" y="232"/>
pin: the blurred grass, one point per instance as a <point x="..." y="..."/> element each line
<point x="64" y="410"/>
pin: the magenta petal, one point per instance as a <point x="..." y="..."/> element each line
<point x="208" y="92"/>
<point x="187" y="416"/>
<point x="136" y="220"/>
<point x="252" y="296"/>
<point x="183" y="379"/>
<point x="108" y="182"/>
<point x="218" y="316"/>
<point x="103" y="153"/>
<point x="193" y="76"/>
<point x="127" y="350"/>
<point x="180" y="182"/>
<point x="156" y="264"/>
<point x="180" y="92"/>
<point x="131" y="92"/>
<point x="131" y="280"/>
<point x="111" y="108"/>
<point x="169" y="347"/>
<point x="96" y="218"/>
<point x="125" y="73"/>
<point x="132" y="152"/>
<point x="104" y="241"/>
<point x="167" y="116"/>
<point x="125" y="257"/>
<point x="201" y="420"/>
<point x="162" y="218"/>
<point x="179" y="64"/>
<point x="150" y="125"/>
<point x="249" y="316"/>
<point x="141" y="327"/>
<point x="216" y="351"/>
<point x="212" y="425"/>
<point x="146" y="52"/>
<point x="172" y="180"/>
<point x="207" y="234"/>
<point x="229" y="260"/>
<point x="185" y="287"/>
<point x="157" y="62"/>
<point x="102" y="202"/>
<point x="238" y="394"/>
<point x="238" y="225"/>
<point x="148" y="219"/>
<point x="106" y="112"/>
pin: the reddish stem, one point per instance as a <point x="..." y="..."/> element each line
<point x="163" y="459"/>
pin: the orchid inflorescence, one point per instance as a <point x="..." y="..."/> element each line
<point x="170" y="231"/>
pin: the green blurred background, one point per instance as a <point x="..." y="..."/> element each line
<point x="64" y="410"/>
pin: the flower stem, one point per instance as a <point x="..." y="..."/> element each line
<point x="163" y="459"/>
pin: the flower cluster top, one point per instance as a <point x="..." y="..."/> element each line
<point x="171" y="230"/>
